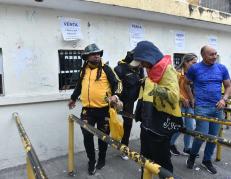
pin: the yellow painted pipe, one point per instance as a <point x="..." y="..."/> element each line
<point x="219" y="148"/>
<point x="189" y="115"/>
<point x="152" y="167"/>
<point x="71" y="163"/>
<point x="204" y="118"/>
<point x="147" y="174"/>
<point x="34" y="167"/>
<point x="228" y="114"/>
<point x="30" y="173"/>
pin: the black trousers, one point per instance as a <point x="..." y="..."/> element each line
<point x="99" y="116"/>
<point x="156" y="148"/>
<point x="127" y="124"/>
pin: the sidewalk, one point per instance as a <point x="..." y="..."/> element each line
<point x="116" y="168"/>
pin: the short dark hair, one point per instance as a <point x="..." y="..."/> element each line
<point x="203" y="50"/>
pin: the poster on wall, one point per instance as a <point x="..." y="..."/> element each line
<point x="180" y="41"/>
<point x="71" y="29"/>
<point x="212" y="41"/>
<point x="136" y="34"/>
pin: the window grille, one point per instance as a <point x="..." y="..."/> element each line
<point x="70" y="63"/>
<point x="177" y="59"/>
<point x="1" y="73"/>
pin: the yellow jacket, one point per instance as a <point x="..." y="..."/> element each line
<point x="165" y="94"/>
<point x="93" y="92"/>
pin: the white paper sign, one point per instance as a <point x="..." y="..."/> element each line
<point x="212" y="41"/>
<point x="180" y="40"/>
<point x="136" y="34"/>
<point x="71" y="29"/>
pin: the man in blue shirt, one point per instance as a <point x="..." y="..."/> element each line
<point x="207" y="77"/>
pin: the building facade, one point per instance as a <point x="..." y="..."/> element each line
<point x="38" y="66"/>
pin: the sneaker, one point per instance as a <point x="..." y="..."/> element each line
<point x="124" y="157"/>
<point x="209" y="166"/>
<point x="100" y="164"/>
<point x="91" y="167"/>
<point x="190" y="161"/>
<point x="187" y="152"/>
<point x="174" y="150"/>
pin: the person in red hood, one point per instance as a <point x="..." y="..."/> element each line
<point x="158" y="106"/>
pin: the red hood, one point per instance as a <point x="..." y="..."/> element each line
<point x="157" y="71"/>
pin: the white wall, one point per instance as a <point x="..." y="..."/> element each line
<point x="30" y="39"/>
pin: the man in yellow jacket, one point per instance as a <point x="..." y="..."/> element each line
<point x="158" y="106"/>
<point x="96" y="83"/>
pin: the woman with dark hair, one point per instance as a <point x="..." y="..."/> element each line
<point x="187" y="103"/>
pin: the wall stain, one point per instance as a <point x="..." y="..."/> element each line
<point x="210" y="11"/>
<point x="191" y="9"/>
<point x="224" y="15"/>
<point x="30" y="15"/>
<point x="201" y="10"/>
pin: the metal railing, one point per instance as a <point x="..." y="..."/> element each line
<point x="150" y="168"/>
<point x="189" y="115"/>
<point x="33" y="165"/>
<point x="220" y="5"/>
<point x="227" y="111"/>
<point x="199" y="135"/>
<point x="208" y="119"/>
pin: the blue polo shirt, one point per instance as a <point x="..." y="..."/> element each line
<point x="207" y="82"/>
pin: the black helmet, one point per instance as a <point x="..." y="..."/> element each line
<point x="91" y="49"/>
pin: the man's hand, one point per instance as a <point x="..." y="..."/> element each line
<point x="71" y="104"/>
<point x="220" y="104"/>
<point x="115" y="102"/>
<point x="192" y="103"/>
<point x="186" y="103"/>
<point x="113" y="99"/>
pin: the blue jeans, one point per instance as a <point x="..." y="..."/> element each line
<point x="188" y="123"/>
<point x="206" y="128"/>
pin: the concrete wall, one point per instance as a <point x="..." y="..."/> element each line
<point x="179" y="8"/>
<point x="30" y="38"/>
<point x="195" y="2"/>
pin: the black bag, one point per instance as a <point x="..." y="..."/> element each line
<point x="138" y="110"/>
<point x="155" y="121"/>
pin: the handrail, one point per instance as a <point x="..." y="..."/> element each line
<point x="207" y="137"/>
<point x="147" y="164"/>
<point x="227" y="109"/>
<point x="198" y="135"/>
<point x="33" y="162"/>
<point x="189" y="115"/>
<point x="205" y="118"/>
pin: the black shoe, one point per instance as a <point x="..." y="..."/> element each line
<point x="209" y="166"/>
<point x="190" y="161"/>
<point x="174" y="150"/>
<point x="187" y="152"/>
<point x="91" y="167"/>
<point x="100" y="164"/>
